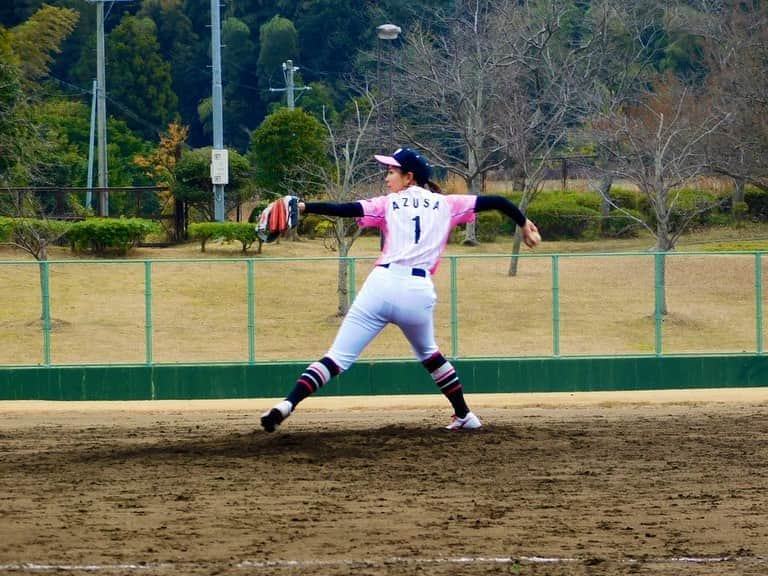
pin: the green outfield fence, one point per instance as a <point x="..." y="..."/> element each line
<point x="236" y="327"/>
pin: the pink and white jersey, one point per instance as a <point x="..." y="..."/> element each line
<point x="416" y="224"/>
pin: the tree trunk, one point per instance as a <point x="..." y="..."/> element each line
<point x="470" y="235"/>
<point x="518" y="179"/>
<point x="605" y="194"/>
<point x="518" y="239"/>
<point x="738" y="208"/>
<point x="342" y="286"/>
<point x="514" y="261"/>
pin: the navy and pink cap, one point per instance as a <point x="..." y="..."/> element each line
<point x="410" y="161"/>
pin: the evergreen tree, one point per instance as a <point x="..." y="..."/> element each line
<point x="186" y="50"/>
<point x="138" y="79"/>
<point x="36" y="40"/>
<point x="284" y="148"/>
<point x="10" y="98"/>
<point x="278" y="42"/>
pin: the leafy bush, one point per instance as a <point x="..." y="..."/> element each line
<point x="621" y="225"/>
<point x="691" y="200"/>
<point x="50" y="229"/>
<point x="323" y="228"/>
<point x="308" y="224"/>
<point x="6" y="226"/>
<point x="757" y="203"/>
<point x="564" y="221"/>
<point x="109" y="235"/>
<point x="489" y="225"/>
<point x="33" y="235"/>
<point x="632" y="200"/>
<point x="561" y="215"/>
<point x="242" y="232"/>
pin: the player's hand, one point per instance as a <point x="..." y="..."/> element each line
<point x="302" y="206"/>
<point x="531" y="235"/>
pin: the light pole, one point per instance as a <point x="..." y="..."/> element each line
<point x="385" y="32"/>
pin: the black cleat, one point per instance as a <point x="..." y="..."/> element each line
<point x="271" y="420"/>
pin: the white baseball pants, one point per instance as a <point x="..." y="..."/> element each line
<point x="389" y="295"/>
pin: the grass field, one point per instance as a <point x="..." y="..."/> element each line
<point x="200" y="312"/>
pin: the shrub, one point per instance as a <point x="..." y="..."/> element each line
<point x="757" y="202"/>
<point x="6" y="226"/>
<point x="740" y="211"/>
<point x="308" y="224"/>
<point x="691" y="200"/>
<point x="204" y="231"/>
<point x="563" y="222"/>
<point x="489" y="225"/>
<point x="621" y="225"/>
<point x="561" y="215"/>
<point x="109" y="235"/>
<point x="323" y="228"/>
<point x="631" y="200"/>
<point x="242" y="232"/>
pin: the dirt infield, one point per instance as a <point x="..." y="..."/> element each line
<point x="649" y="484"/>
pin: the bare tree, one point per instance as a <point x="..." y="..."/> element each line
<point x="736" y="41"/>
<point x="501" y="84"/>
<point x="659" y="143"/>
<point x="544" y="90"/>
<point x="449" y="89"/>
<point x="31" y="232"/>
<point x="347" y="178"/>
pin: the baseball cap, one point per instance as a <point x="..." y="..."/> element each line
<point x="410" y="161"/>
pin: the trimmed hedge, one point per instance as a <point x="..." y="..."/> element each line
<point x="243" y="232"/>
<point x="104" y="236"/>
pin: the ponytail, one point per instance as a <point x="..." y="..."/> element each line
<point x="433" y="187"/>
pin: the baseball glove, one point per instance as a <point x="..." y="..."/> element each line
<point x="277" y="217"/>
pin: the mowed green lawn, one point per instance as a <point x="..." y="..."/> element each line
<point x="200" y="309"/>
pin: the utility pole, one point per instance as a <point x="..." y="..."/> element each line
<point x="101" y="112"/>
<point x="290" y="88"/>
<point x="219" y="156"/>
<point x="101" y="107"/>
<point x="89" y="194"/>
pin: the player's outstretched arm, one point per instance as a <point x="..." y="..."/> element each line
<point x="344" y="209"/>
<point x="531" y="235"/>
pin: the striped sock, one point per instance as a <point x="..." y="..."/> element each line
<point x="312" y="379"/>
<point x="444" y="375"/>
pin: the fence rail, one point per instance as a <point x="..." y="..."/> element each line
<point x="253" y="310"/>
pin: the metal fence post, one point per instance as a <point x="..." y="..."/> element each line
<point x="658" y="297"/>
<point x="251" y="313"/>
<point x="556" y="305"/>
<point x="148" y="309"/>
<point x="46" y="298"/>
<point x="759" y="300"/>
<point x="454" y="310"/>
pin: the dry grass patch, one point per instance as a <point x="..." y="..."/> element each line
<point x="200" y="309"/>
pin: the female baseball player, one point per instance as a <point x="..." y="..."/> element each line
<point x="416" y="221"/>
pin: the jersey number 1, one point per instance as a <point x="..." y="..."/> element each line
<point x="417" y="220"/>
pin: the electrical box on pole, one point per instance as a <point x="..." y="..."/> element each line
<point x="220" y="166"/>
